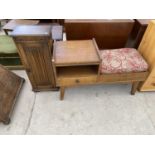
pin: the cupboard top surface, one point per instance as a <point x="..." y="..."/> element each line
<point x="75" y="52"/>
<point x="16" y="22"/>
<point x="37" y="30"/>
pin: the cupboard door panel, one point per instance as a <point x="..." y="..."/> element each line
<point x="37" y="57"/>
<point x="34" y="45"/>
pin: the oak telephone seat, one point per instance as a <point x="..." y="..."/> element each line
<point x="81" y="62"/>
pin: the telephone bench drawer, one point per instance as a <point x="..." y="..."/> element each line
<point x="76" y="81"/>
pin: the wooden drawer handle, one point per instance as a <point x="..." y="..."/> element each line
<point x="77" y="81"/>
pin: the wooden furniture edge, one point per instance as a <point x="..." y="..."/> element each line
<point x="53" y="61"/>
<point x="99" y="56"/>
<point x="7" y="120"/>
<point x="123" y="77"/>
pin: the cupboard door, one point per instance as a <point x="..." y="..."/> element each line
<point x="39" y="64"/>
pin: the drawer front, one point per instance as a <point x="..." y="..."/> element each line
<point x="76" y="81"/>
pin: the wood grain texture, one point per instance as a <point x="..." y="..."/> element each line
<point x="123" y="77"/>
<point x="137" y="32"/>
<point x="10" y="85"/>
<point x="62" y="92"/>
<point x="134" y="87"/>
<point x="75" y="53"/>
<point x="35" y="49"/>
<point x="79" y="75"/>
<point x="147" y="49"/>
<point x="80" y="69"/>
<point x="109" y="34"/>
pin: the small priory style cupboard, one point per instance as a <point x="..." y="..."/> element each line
<point x="35" y="47"/>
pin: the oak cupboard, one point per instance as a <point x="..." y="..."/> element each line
<point x="34" y="45"/>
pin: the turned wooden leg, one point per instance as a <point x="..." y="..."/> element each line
<point x="62" y="92"/>
<point x="134" y="87"/>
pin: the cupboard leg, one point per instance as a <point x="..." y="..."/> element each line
<point x="5" y="121"/>
<point x="134" y="87"/>
<point x="62" y="92"/>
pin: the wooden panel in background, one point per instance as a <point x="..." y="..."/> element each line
<point x="147" y="49"/>
<point x="109" y="34"/>
<point x="137" y="32"/>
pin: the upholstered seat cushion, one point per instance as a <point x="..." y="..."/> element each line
<point x="123" y="60"/>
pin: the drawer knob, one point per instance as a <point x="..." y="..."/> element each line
<point x="77" y="81"/>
